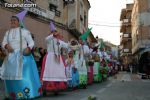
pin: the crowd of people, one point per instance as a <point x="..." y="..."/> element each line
<point x="63" y="65"/>
<point x="38" y="54"/>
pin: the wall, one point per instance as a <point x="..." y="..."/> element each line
<point x="72" y="16"/>
<point x="140" y="24"/>
<point x="38" y="28"/>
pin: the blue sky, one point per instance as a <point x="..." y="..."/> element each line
<point x="104" y="17"/>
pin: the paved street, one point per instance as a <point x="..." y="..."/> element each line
<point x="124" y="86"/>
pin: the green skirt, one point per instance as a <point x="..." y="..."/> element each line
<point x="97" y="74"/>
<point x="83" y="79"/>
<point x="105" y="75"/>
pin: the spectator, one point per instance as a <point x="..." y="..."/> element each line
<point x="2" y="56"/>
<point x="37" y="56"/>
<point x="42" y="53"/>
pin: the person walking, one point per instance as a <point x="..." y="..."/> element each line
<point x="131" y="68"/>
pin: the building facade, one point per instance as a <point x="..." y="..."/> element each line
<point x="141" y="25"/>
<point x="113" y="49"/>
<point x="125" y="38"/>
<point x="140" y="30"/>
<point x="70" y="18"/>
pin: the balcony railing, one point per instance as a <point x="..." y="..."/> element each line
<point x="125" y="50"/>
<point x="126" y="22"/>
<point x="127" y="35"/>
<point x="42" y="12"/>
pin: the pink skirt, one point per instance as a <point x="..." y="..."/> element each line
<point x="51" y="85"/>
<point x="90" y="75"/>
<point x="54" y="86"/>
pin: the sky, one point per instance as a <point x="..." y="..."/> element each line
<point x="104" y="18"/>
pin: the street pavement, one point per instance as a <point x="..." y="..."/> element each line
<point x="123" y="86"/>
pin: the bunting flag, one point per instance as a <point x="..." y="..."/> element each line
<point x="52" y="26"/>
<point x="86" y="34"/>
<point x="102" y="45"/>
<point x="21" y="16"/>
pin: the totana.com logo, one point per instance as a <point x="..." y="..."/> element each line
<point x="22" y="4"/>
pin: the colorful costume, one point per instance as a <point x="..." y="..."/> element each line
<point x="90" y="64"/>
<point x="90" y="74"/>
<point x="97" y="73"/>
<point x="82" y="68"/>
<point x="19" y="72"/>
<point x="72" y="73"/>
<point x="97" y="67"/>
<point x="53" y="70"/>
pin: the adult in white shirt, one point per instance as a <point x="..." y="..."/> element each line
<point x="82" y="68"/>
<point x="53" y="69"/>
<point x="19" y="70"/>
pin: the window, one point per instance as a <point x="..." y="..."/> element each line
<point x="68" y="1"/>
<point x="1" y="2"/>
<point x="33" y="1"/>
<point x="57" y="13"/>
<point x="52" y="7"/>
<point x="81" y="18"/>
<point x="85" y="18"/>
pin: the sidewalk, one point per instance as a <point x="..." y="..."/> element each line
<point x="125" y="76"/>
<point x="135" y="77"/>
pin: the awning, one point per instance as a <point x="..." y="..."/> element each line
<point x="143" y="51"/>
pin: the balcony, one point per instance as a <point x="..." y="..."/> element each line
<point x="129" y="7"/>
<point x="124" y="23"/>
<point x="123" y="14"/>
<point x="125" y="52"/>
<point x="125" y="37"/>
<point x="41" y="12"/>
<point x="122" y="28"/>
<point x="125" y="48"/>
<point x="126" y="20"/>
